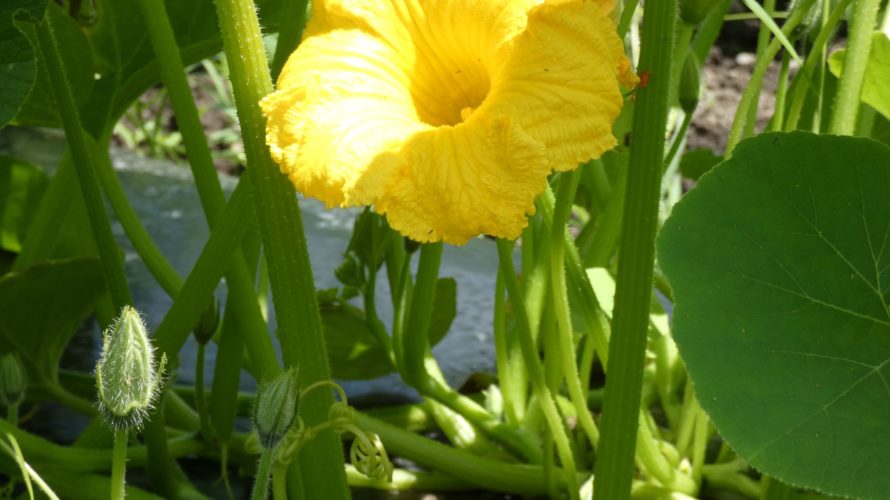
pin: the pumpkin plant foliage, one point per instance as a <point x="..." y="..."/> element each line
<point x="780" y="264"/>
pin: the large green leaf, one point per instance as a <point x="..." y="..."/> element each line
<point x="780" y="265"/>
<point x="124" y="57"/>
<point x="21" y="186"/>
<point x="41" y="309"/>
<point x="18" y="67"/>
<point x="876" y="86"/>
<point x="40" y="108"/>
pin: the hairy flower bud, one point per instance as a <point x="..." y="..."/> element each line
<point x="208" y="323"/>
<point x="12" y="380"/>
<point x="126" y="376"/>
<point x="690" y="85"/>
<point x="277" y="407"/>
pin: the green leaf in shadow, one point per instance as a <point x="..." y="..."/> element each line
<point x="41" y="309"/>
<point x="21" y="186"/>
<point x="18" y="65"/>
<point x="780" y="264"/>
<point x="40" y="107"/>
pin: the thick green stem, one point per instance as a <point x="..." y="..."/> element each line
<point x="293" y="289"/>
<point x="210" y="191"/>
<point x="846" y="102"/>
<point x="119" y="464"/>
<point x="415" y="338"/>
<point x="536" y="371"/>
<point x="110" y="257"/>
<point x="614" y="467"/>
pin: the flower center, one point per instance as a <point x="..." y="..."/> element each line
<point x="447" y="86"/>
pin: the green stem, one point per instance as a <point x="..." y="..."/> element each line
<point x="200" y="397"/>
<point x="536" y="371"/>
<point x="119" y="464"/>
<point x="778" y="118"/>
<point x="801" y="82"/>
<point x="261" y="479"/>
<point x="110" y="257"/>
<point x="846" y="101"/>
<point x="293" y="289"/>
<point x="481" y="472"/>
<point x="514" y="395"/>
<point x="279" y="482"/>
<point x="293" y="19"/>
<point x="763" y="37"/>
<point x="709" y="29"/>
<point x="157" y="264"/>
<point x="416" y="354"/>
<point x="12" y="414"/>
<point x="207" y="181"/>
<point x="614" y="467"/>
<point x="415" y="338"/>
<point x="739" y="123"/>
<point x="568" y="183"/>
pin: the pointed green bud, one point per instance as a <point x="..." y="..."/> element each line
<point x="126" y="376"/>
<point x="277" y="407"/>
<point x="690" y="83"/>
<point x="208" y="323"/>
<point x="12" y="380"/>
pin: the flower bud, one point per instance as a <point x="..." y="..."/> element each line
<point x="208" y="323"/>
<point x="126" y="376"/>
<point x="349" y="272"/>
<point x="12" y="380"/>
<point x="690" y="85"/>
<point x="692" y="12"/>
<point x="277" y="407"/>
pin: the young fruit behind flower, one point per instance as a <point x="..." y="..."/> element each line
<point x="447" y="116"/>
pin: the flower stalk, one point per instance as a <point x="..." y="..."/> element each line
<point x="614" y="468"/>
<point x="280" y="221"/>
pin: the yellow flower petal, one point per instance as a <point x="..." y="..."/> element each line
<point x="559" y="81"/>
<point x="479" y="177"/>
<point x="446" y="115"/>
<point x="341" y="102"/>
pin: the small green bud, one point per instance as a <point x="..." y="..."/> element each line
<point x="692" y="12"/>
<point x="349" y="272"/>
<point x="690" y="83"/>
<point x="277" y="407"/>
<point x="126" y="376"/>
<point x="208" y="323"/>
<point x="12" y="380"/>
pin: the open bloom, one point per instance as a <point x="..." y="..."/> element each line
<point x="446" y="115"/>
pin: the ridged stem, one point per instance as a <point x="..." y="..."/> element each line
<point x="536" y="371"/>
<point x="615" y="456"/>
<point x="293" y="288"/>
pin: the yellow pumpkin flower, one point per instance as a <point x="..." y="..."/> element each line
<point x="447" y="116"/>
